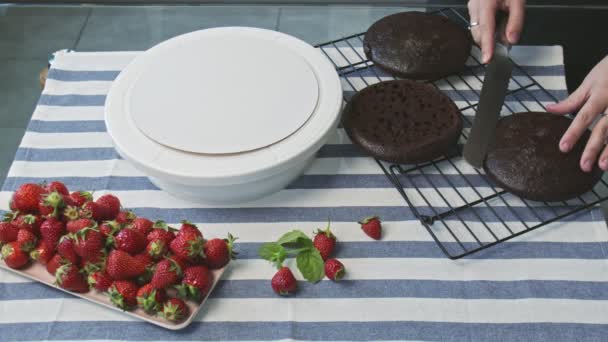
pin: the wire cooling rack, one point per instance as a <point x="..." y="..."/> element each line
<point x="462" y="210"/>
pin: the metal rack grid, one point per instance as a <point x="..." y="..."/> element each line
<point x="462" y="210"/>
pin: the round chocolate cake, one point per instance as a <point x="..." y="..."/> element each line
<point x="417" y="45"/>
<point x="525" y="158"/>
<point x="403" y="121"/>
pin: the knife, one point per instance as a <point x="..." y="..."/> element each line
<point x="491" y="99"/>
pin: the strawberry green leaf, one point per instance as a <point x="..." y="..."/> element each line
<point x="310" y="264"/>
<point x="295" y="239"/>
<point x="273" y="252"/>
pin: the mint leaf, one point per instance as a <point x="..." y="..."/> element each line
<point x="295" y="239"/>
<point x="310" y="265"/>
<point x="273" y="252"/>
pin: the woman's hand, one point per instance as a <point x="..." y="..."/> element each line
<point x="592" y="99"/>
<point x="484" y="13"/>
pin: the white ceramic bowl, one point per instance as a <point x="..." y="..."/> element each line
<point x="267" y="158"/>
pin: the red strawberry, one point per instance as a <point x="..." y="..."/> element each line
<point x="175" y="310"/>
<point x="54" y="263"/>
<point x="79" y="198"/>
<point x="283" y="282"/>
<point x="8" y="232"/>
<point x="334" y="269"/>
<point x="142" y="225"/>
<point x="29" y="222"/>
<point x="145" y="259"/>
<point x="14" y="256"/>
<point x="100" y="281"/>
<point x="121" y="265"/>
<point x="125" y="217"/>
<point x="71" y="278"/>
<point x="42" y="253"/>
<point x="123" y="294"/>
<point x="150" y="299"/>
<point x="110" y="206"/>
<point x="218" y="252"/>
<point x="130" y="241"/>
<point x="93" y="211"/>
<point x="161" y="231"/>
<point x="187" y="246"/>
<point x="66" y="249"/>
<point x="325" y="242"/>
<point x="109" y="228"/>
<point x="79" y="224"/>
<point x="51" y="204"/>
<point x="51" y="230"/>
<point x="27" y="197"/>
<point x="189" y="230"/>
<point x="168" y="272"/>
<point x="196" y="283"/>
<point x="89" y="244"/>
<point x="59" y="187"/>
<point x="27" y="240"/>
<point x="372" y="227"/>
<point x="156" y="249"/>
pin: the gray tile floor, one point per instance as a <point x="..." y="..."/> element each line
<point x="29" y="34"/>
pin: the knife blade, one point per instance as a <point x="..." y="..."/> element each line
<point x="491" y="99"/>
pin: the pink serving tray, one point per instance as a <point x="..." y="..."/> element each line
<point x="37" y="272"/>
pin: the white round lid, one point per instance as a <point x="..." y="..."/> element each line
<point x="222" y="93"/>
<point x="177" y="165"/>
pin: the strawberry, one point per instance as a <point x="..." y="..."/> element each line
<point x="121" y="265"/>
<point x="156" y="249"/>
<point x="54" y="263"/>
<point x="100" y="281"/>
<point x="219" y="252"/>
<point x="51" y="230"/>
<point x="42" y="253"/>
<point x="145" y="259"/>
<point x="123" y="294"/>
<point x="79" y="198"/>
<point x="51" y="204"/>
<point x="14" y="256"/>
<point x="161" y="231"/>
<point x="168" y="272"/>
<point x="71" y="213"/>
<point x="325" y="242"/>
<point x="150" y="299"/>
<point x="283" y="282"/>
<point x="8" y="232"/>
<point x="79" y="224"/>
<point x="372" y="227"/>
<point x="334" y="269"/>
<point x="29" y="222"/>
<point x="59" y="187"/>
<point x="66" y="249"/>
<point x="130" y="241"/>
<point x="27" y="197"/>
<point x="109" y="228"/>
<point x="93" y="211"/>
<point x="187" y="246"/>
<point x="71" y="278"/>
<point x="142" y="225"/>
<point x="189" y="230"/>
<point x="125" y="217"/>
<point x="175" y="310"/>
<point x="89" y="244"/>
<point x="27" y="240"/>
<point x="110" y="206"/>
<point x="196" y="283"/>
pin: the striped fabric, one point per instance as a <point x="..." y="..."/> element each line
<point x="550" y="284"/>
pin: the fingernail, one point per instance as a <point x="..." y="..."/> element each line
<point x="513" y="37"/>
<point x="486" y="57"/>
<point x="564" y="146"/>
<point x="603" y="163"/>
<point x="587" y="165"/>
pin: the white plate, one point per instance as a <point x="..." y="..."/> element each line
<point x="215" y="92"/>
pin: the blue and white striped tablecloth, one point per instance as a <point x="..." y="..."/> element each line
<point x="551" y="284"/>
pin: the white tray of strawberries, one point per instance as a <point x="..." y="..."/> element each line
<point x="95" y="250"/>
